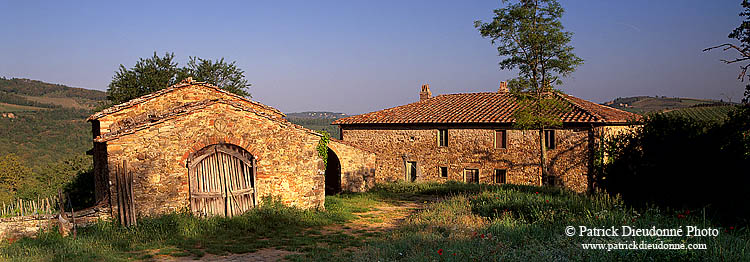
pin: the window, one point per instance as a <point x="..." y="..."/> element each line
<point x="471" y="176"/>
<point x="443" y="171"/>
<point x="500" y="176"/>
<point x="549" y="139"/>
<point x="411" y="171"/>
<point x="442" y="137"/>
<point x="500" y="139"/>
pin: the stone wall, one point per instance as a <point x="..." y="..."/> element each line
<point x="474" y="148"/>
<point x="287" y="162"/>
<point x="357" y="166"/>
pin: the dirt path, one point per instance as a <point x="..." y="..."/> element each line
<point x="383" y="217"/>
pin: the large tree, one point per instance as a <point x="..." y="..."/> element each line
<point x="531" y="39"/>
<point x="742" y="34"/>
<point x="156" y="73"/>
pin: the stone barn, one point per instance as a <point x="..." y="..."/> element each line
<point x="194" y="146"/>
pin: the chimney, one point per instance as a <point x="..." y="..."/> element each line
<point x="503" y="87"/>
<point x="425" y="93"/>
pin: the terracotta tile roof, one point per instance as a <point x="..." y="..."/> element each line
<point x="185" y="83"/>
<point x="485" y="108"/>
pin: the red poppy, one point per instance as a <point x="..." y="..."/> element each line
<point x="482" y="236"/>
<point x="680" y="216"/>
<point x="536" y="192"/>
<point x="731" y="228"/>
<point x="440" y="251"/>
<point x="687" y="212"/>
<point x="475" y="233"/>
<point x="547" y="200"/>
<point x="454" y="254"/>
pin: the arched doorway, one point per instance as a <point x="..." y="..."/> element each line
<point x="222" y="181"/>
<point x="333" y="174"/>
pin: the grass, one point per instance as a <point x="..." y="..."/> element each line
<point x="11" y="108"/>
<point x="459" y="222"/>
<point x="523" y="223"/>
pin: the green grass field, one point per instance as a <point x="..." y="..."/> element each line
<point x="460" y="222"/>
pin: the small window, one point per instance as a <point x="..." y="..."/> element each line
<point x="500" y="176"/>
<point x="411" y="171"/>
<point x="442" y="137"/>
<point x="501" y="140"/>
<point x="549" y="139"/>
<point x="443" y="171"/>
<point x="471" y="176"/>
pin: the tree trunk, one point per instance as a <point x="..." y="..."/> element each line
<point x="543" y="157"/>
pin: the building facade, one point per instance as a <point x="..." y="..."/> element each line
<point x="194" y="146"/>
<point x="472" y="138"/>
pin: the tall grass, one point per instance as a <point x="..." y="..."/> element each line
<point x="524" y="223"/>
<point x="270" y="225"/>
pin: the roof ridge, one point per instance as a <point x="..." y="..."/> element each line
<point x="184" y="83"/>
<point x="188" y="108"/>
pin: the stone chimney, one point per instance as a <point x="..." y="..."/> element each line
<point x="503" y="87"/>
<point x="425" y="93"/>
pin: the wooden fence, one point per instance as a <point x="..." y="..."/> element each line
<point x="39" y="206"/>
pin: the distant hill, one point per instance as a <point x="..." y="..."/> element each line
<point x="317" y="115"/>
<point x="35" y="93"/>
<point x="648" y="104"/>
<point x="320" y="121"/>
<point x="717" y="112"/>
<point x="698" y="109"/>
<point x="44" y="123"/>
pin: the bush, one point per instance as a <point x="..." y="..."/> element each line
<point x="680" y="163"/>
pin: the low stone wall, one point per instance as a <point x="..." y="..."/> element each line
<point x="28" y="226"/>
<point x="357" y="166"/>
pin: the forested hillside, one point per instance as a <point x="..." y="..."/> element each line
<point x="320" y="121"/>
<point x="44" y="138"/>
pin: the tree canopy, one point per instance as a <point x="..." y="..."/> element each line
<point x="531" y="39"/>
<point x="156" y="73"/>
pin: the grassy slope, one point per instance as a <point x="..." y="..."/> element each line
<point x="703" y="113"/>
<point x="5" y="107"/>
<point x="468" y="223"/>
<point x="647" y="104"/>
<point x="320" y="124"/>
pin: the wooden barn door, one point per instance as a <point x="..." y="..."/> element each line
<point x="222" y="181"/>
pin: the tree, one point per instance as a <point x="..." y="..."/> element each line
<point x="12" y="174"/>
<point x="222" y="74"/>
<point x="156" y="73"/>
<point x="742" y="34"/>
<point x="530" y="37"/>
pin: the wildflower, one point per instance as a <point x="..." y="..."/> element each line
<point x="536" y="192"/>
<point x="482" y="236"/>
<point x="687" y="212"/>
<point x="454" y="254"/>
<point x="440" y="251"/>
<point x="731" y="228"/>
<point x="546" y="200"/>
<point x="475" y="234"/>
<point x="680" y="216"/>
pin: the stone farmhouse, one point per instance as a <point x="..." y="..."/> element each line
<point x="470" y="137"/>
<point x="194" y="146"/>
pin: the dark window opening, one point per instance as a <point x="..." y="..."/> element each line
<point x="442" y="137"/>
<point x="411" y="171"/>
<point x="471" y="176"/>
<point x="443" y="171"/>
<point x="500" y="176"/>
<point x="549" y="139"/>
<point x="501" y="140"/>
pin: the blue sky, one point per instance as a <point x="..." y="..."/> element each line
<point x="361" y="56"/>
